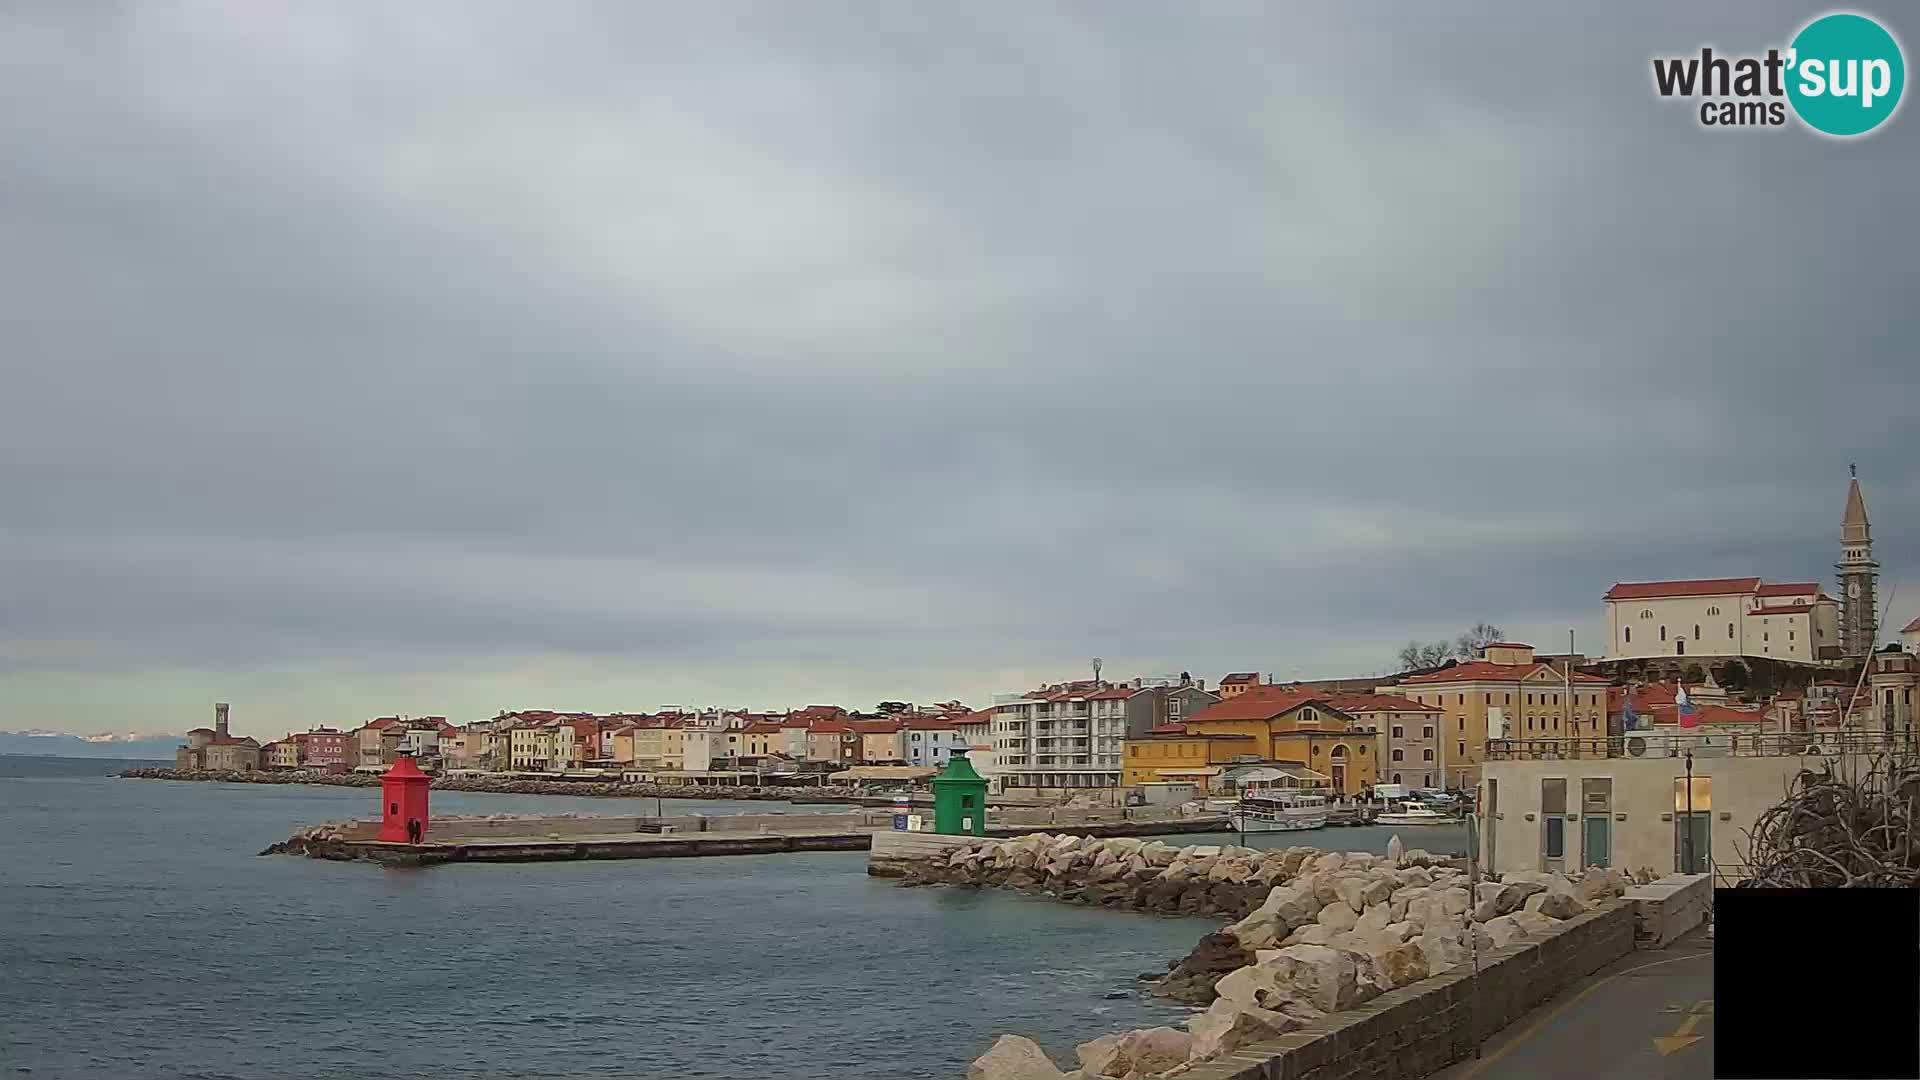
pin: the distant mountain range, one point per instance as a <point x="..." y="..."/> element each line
<point x="55" y="744"/>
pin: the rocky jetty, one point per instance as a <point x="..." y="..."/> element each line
<point x="328" y="841"/>
<point x="1315" y="933"/>
<point x="505" y="786"/>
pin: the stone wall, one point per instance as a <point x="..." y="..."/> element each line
<point x="1668" y="908"/>
<point x="1411" y="1032"/>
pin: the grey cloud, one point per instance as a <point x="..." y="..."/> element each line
<point x="950" y="343"/>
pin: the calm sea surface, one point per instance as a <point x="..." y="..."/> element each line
<point x="141" y="936"/>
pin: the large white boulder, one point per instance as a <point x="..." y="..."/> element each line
<point x="1555" y="905"/>
<point x="1503" y="930"/>
<point x="1014" y="1057"/>
<point x="1444" y="950"/>
<point x="1338" y="916"/>
<point x="1325" y="976"/>
<point x="1227" y="1026"/>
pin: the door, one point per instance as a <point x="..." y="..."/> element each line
<point x="1553" y="825"/>
<point x="1596" y="845"/>
<point x="1596" y="821"/>
<point x="1692" y="847"/>
<point x="1692" y="825"/>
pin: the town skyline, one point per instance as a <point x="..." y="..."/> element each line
<point x="773" y="360"/>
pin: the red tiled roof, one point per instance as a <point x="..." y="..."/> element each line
<point x="1791" y="589"/>
<point x="1240" y="677"/>
<point x="1911" y="627"/>
<point x="245" y="740"/>
<point x="1168" y="729"/>
<point x="1488" y="671"/>
<point x="931" y="723"/>
<point x="875" y="727"/>
<point x="764" y="727"/>
<point x="1118" y="693"/>
<point x="1648" y="590"/>
<point x="1706" y="714"/>
<point x="984" y="716"/>
<point x="1506" y="645"/>
<point x="831" y="727"/>
<point x="1358" y="703"/>
<point x="1259" y="703"/>
<point x="199" y="730"/>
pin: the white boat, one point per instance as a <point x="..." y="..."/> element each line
<point x="1278" y="811"/>
<point x="1411" y="814"/>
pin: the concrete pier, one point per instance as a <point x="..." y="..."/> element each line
<point x="512" y="840"/>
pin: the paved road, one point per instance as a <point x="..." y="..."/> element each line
<point x="1648" y="1015"/>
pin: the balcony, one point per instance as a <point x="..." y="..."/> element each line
<point x="1677" y="744"/>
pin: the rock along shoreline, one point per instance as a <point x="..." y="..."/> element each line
<point x="1317" y="932"/>
<point x="487" y="786"/>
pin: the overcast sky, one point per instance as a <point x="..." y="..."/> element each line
<point x="445" y="358"/>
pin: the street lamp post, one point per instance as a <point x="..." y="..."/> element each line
<point x="1686" y="830"/>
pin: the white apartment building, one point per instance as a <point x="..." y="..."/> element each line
<point x="1722" y="617"/>
<point x="1060" y="737"/>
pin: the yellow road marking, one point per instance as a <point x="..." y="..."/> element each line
<point x="1527" y="1032"/>
<point x="1685" y="1037"/>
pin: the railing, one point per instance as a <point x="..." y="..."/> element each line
<point x="1664" y="744"/>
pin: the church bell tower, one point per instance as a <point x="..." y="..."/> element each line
<point x="1859" y="574"/>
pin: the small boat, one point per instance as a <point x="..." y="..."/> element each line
<point x="1278" y="811"/>
<point x="1410" y="813"/>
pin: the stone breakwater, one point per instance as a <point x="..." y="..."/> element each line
<point x="491" y="786"/>
<point x="1316" y="933"/>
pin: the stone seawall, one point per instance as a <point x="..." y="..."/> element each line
<point x="1318" y="934"/>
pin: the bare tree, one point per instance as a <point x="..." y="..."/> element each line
<point x="1469" y="645"/>
<point x="1414" y="654"/>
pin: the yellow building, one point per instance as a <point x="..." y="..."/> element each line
<point x="880" y="741"/>
<point x="659" y="747"/>
<point x="1261" y="724"/>
<point x="1510" y="694"/>
<point x="530" y="748"/>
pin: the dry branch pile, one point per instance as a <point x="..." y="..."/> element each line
<point x="1841" y="828"/>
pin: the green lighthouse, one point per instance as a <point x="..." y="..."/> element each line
<point x="960" y="799"/>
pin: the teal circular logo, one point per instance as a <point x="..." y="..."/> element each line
<point x="1845" y="74"/>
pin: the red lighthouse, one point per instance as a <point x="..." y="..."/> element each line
<point x="403" y="802"/>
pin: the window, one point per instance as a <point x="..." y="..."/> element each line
<point x="1462" y="752"/>
<point x="1401" y="732"/>
<point x="1696" y="631"/>
<point x="1663" y="633"/>
<point x="1506" y="699"/>
<point x="1462" y="701"/>
<point x="1713" y="611"/>
<point x="1765" y="636"/>
<point x="1363" y="749"/>
<point x="1729" y="631"/>
<point x="1629" y="632"/>
<point x="1427" y="732"/>
<point x="1646" y="613"/>
<point x="1399" y="755"/>
<point x="1427" y="754"/>
<point x="1529" y="723"/>
<point x="1529" y="699"/>
<point x="1789" y="635"/>
<point x="1396" y="778"/>
<point x="1489" y="700"/>
<point x="1133" y="751"/>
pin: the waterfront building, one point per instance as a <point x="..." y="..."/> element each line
<point x="217" y="747"/>
<point x="1504" y="692"/>
<point x="378" y="741"/>
<point x="660" y="743"/>
<point x="833" y="741"/>
<point x="574" y="743"/>
<point x="930" y="740"/>
<point x="530" y="745"/>
<point x="1560" y="804"/>
<point x="880" y="741"/>
<point x="325" y="748"/>
<point x="1164" y="700"/>
<point x="1061" y="737"/>
<point x="280" y="754"/>
<point x="1406" y="735"/>
<point x="1300" y="727"/>
<point x="703" y="746"/>
<point x="763" y="738"/>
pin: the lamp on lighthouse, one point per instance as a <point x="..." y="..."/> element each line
<point x="403" y="802"/>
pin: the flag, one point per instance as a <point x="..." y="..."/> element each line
<point x="1684" y="705"/>
<point x="1630" y="720"/>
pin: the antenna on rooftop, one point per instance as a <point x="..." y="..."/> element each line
<point x="1097" y="662"/>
